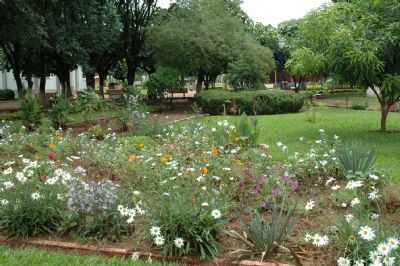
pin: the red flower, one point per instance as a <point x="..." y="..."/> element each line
<point x="52" y="156"/>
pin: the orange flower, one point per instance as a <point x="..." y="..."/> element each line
<point x="51" y="145"/>
<point x="165" y="158"/>
<point x="215" y="151"/>
<point x="132" y="157"/>
<point x="204" y="170"/>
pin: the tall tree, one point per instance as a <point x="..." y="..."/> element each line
<point x="100" y="38"/>
<point x="135" y="16"/>
<point x="200" y="38"/>
<point x="20" y="30"/>
<point x="360" y="41"/>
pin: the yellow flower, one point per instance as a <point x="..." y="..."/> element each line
<point x="140" y="146"/>
<point x="132" y="157"/>
<point x="51" y="145"/>
<point x="204" y="170"/>
<point x="37" y="157"/>
<point x="215" y="151"/>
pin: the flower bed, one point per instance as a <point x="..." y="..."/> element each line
<point x="200" y="190"/>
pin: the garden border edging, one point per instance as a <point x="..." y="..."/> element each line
<point x="121" y="252"/>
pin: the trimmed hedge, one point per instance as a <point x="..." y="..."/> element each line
<point x="250" y="102"/>
<point x="7" y="95"/>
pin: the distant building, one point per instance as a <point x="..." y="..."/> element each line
<point x="78" y="82"/>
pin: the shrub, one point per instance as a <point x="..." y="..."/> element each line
<point x="251" y="102"/>
<point x="59" y="113"/>
<point x="89" y="101"/>
<point x="359" y="106"/>
<point x="30" y="111"/>
<point x="7" y="95"/>
<point x="165" y="79"/>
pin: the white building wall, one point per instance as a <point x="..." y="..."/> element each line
<point x="78" y="82"/>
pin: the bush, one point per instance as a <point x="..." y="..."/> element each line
<point x="165" y="79"/>
<point x="59" y="113"/>
<point x="30" y="111"/>
<point x="88" y="102"/>
<point x="7" y="95"/>
<point x="216" y="102"/>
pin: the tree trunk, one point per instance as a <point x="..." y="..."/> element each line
<point x="131" y="74"/>
<point x="18" y="81"/>
<point x="384" y="115"/>
<point x="42" y="90"/>
<point x="90" y="81"/>
<point x="29" y="80"/>
<point x="199" y="85"/>
<point x="102" y="77"/>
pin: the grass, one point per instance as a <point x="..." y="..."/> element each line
<point x="350" y="125"/>
<point x="36" y="257"/>
<point x="347" y="100"/>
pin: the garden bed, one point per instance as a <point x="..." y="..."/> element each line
<point x="193" y="189"/>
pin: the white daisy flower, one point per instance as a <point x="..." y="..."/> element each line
<point x="155" y="231"/>
<point x="216" y="214"/>
<point x="178" y="242"/>
<point x="366" y="233"/>
<point x="35" y="196"/>
<point x="159" y="240"/>
<point x="310" y="205"/>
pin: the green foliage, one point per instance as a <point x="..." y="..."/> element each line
<point x="59" y="113"/>
<point x="355" y="158"/>
<point x="178" y="217"/>
<point x="7" y="95"/>
<point x="264" y="238"/>
<point x="305" y="62"/>
<point x="24" y="215"/>
<point x="88" y="102"/>
<point x="250" y="69"/>
<point x="30" y="110"/>
<point x="250" y="102"/>
<point x="247" y="129"/>
<point x="165" y="79"/>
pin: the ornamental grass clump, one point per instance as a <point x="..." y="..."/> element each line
<point x="187" y="224"/>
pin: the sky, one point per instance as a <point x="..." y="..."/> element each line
<point x="273" y="11"/>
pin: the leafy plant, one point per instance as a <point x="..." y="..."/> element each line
<point x="247" y="129"/>
<point x="355" y="158"/>
<point x="179" y="217"/>
<point x="95" y="213"/>
<point x="88" y="102"/>
<point x="29" y="206"/>
<point x="264" y="238"/>
<point x="59" y="113"/>
<point x="30" y="111"/>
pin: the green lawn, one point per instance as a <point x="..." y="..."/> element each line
<point x="36" y="257"/>
<point x="347" y="100"/>
<point x="360" y="126"/>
